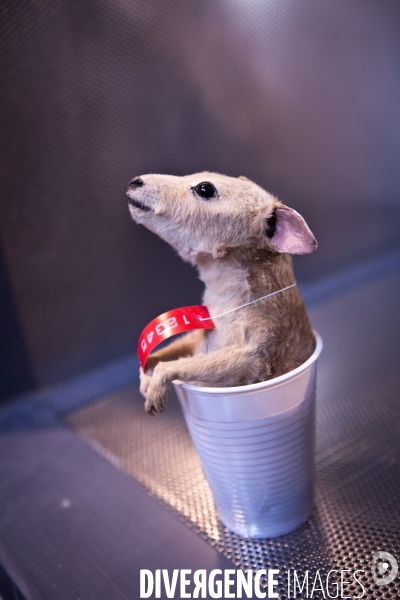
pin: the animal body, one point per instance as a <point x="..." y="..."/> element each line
<point x="240" y="237"/>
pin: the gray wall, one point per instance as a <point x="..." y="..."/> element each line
<point x="303" y="97"/>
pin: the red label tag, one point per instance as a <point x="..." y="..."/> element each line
<point x="169" y="324"/>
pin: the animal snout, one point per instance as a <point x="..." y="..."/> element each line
<point x="135" y="183"/>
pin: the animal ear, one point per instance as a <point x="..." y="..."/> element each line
<point x="289" y="232"/>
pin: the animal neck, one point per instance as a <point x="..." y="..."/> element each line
<point x="240" y="277"/>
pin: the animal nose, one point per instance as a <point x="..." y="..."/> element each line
<point x="135" y="183"/>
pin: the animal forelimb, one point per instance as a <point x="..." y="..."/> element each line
<point x="229" y="366"/>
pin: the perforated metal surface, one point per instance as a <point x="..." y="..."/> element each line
<point x="358" y="452"/>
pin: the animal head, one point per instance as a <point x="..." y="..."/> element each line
<point x="209" y="212"/>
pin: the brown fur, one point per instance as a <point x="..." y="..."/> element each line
<point x="225" y="237"/>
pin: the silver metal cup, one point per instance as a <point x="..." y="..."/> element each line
<point x="256" y="445"/>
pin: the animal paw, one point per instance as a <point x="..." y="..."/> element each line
<point x="155" y="403"/>
<point x="156" y="393"/>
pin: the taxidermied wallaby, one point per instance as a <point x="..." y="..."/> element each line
<point x="240" y="238"/>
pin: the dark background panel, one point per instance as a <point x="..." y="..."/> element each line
<point x="15" y="372"/>
<point x="301" y="97"/>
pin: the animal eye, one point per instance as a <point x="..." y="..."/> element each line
<point x="205" y="190"/>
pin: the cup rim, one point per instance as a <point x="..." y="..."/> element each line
<point x="240" y="389"/>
